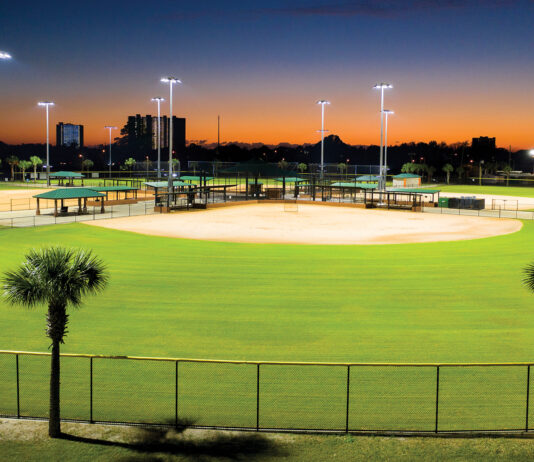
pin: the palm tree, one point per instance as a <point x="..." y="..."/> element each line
<point x="408" y="167"/>
<point x="130" y="163"/>
<point x="12" y="161"/>
<point x="302" y="167"/>
<point x="194" y="166"/>
<point x="448" y="169"/>
<point x="529" y="277"/>
<point x="24" y="165"/>
<point x="507" y="170"/>
<point x="36" y="161"/>
<point x="430" y="170"/>
<point x="87" y="164"/>
<point x="60" y="278"/>
<point x="460" y="171"/>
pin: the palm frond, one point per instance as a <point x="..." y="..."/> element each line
<point x="529" y="277"/>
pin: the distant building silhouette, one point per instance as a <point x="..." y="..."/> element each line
<point x="483" y="143"/>
<point x="69" y="135"/>
<point x="141" y="133"/>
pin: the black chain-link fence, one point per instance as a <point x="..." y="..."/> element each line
<point x="272" y="396"/>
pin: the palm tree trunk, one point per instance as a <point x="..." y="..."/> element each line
<point x="54" y="424"/>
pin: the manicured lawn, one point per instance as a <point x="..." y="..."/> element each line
<point x="520" y="191"/>
<point x="457" y="301"/>
<point x="99" y="443"/>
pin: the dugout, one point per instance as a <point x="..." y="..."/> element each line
<point x="65" y="194"/>
<point x="66" y="178"/>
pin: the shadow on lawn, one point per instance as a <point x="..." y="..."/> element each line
<point x="151" y="441"/>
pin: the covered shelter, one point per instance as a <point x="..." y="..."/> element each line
<point x="63" y="194"/>
<point x="421" y="191"/>
<point x="161" y="191"/>
<point x="406" y="180"/>
<point x="66" y="178"/>
<point x="367" y="179"/>
<point x="107" y="190"/>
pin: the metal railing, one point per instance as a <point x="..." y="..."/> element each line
<point x="488" y="213"/>
<point x="261" y="395"/>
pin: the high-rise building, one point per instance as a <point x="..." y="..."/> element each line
<point x="483" y="143"/>
<point x="142" y="133"/>
<point x="69" y="135"/>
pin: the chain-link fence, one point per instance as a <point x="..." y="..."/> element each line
<point x="498" y="213"/>
<point x="334" y="397"/>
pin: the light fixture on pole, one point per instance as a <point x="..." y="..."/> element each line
<point x="170" y="81"/>
<point x="382" y="86"/>
<point x="5" y="55"/>
<point x="109" y="127"/>
<point x="159" y="99"/>
<point x="322" y="102"/>
<point x="387" y="113"/>
<point x="47" y="104"/>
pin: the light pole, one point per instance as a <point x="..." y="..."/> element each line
<point x="109" y="127"/>
<point x="170" y="81"/>
<point x="47" y="104"/>
<point x="387" y="113"/>
<point x="322" y="102"/>
<point x="382" y="86"/>
<point x="5" y="55"/>
<point x="159" y="99"/>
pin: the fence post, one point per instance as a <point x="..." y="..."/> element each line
<point x="18" y="386"/>
<point x="348" y="400"/>
<point x="258" y="397"/>
<point x="176" y="394"/>
<point x="91" y="420"/>
<point x="528" y="396"/>
<point x="437" y="398"/>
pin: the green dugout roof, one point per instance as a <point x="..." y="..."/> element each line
<point x="291" y="179"/>
<point x="367" y="178"/>
<point x="355" y="185"/>
<point x="111" y="188"/>
<point x="66" y="175"/>
<point x="164" y="184"/>
<point x="195" y="178"/>
<point x="415" y="190"/>
<point x="68" y="193"/>
<point x="407" y="175"/>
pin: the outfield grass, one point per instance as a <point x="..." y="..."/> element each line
<point x="459" y="301"/>
<point x="519" y="191"/>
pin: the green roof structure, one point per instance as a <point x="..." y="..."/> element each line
<point x="407" y="175"/>
<point x="63" y="174"/>
<point x="195" y="178"/>
<point x="355" y="185"/>
<point x="68" y="193"/>
<point x="367" y="178"/>
<point x="111" y="188"/>
<point x="415" y="190"/>
<point x="164" y="184"/>
<point x="291" y="179"/>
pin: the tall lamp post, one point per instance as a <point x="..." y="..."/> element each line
<point x="159" y="99"/>
<point x="109" y="127"/>
<point x="47" y="104"/>
<point x="4" y="55"/>
<point x="171" y="81"/>
<point x="382" y="86"/>
<point x="322" y="102"/>
<point x="387" y="113"/>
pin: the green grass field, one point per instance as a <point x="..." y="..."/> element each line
<point x="457" y="301"/>
<point x="519" y="191"/>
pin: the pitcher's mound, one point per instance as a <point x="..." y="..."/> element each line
<point x="312" y="224"/>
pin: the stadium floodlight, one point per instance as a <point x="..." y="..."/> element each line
<point x="322" y="102"/>
<point x="109" y="127"/>
<point x="382" y="86"/>
<point x="159" y="99"/>
<point x="47" y="104"/>
<point x="387" y="113"/>
<point x="171" y="81"/>
<point x="5" y="55"/>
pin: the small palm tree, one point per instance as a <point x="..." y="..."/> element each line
<point x="448" y="169"/>
<point x="24" y="165"/>
<point x="130" y="163"/>
<point x="507" y="170"/>
<point x="302" y="167"/>
<point x="529" y="277"/>
<point x="60" y="278"/>
<point x="36" y="161"/>
<point x="12" y="161"/>
<point x="87" y="164"/>
<point x="408" y="167"/>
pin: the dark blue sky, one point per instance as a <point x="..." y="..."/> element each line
<point x="460" y="68"/>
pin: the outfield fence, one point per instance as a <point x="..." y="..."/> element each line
<point x="488" y="213"/>
<point x="283" y="396"/>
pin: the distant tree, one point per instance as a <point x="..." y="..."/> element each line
<point x="13" y="161"/>
<point x="460" y="171"/>
<point x="194" y="166"/>
<point x="60" y="278"/>
<point x="408" y="167"/>
<point x="130" y="164"/>
<point x="36" y="161"/>
<point x="507" y="170"/>
<point x="283" y="164"/>
<point x="302" y="167"/>
<point x="24" y="165"/>
<point x="88" y="164"/>
<point x="430" y="170"/>
<point x="342" y="168"/>
<point x="448" y="169"/>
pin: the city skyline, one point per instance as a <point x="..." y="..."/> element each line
<point x="459" y="69"/>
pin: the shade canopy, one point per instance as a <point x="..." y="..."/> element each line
<point x="68" y="193"/>
<point x="407" y="175"/>
<point x="63" y="174"/>
<point x="165" y="184"/>
<point x="368" y="178"/>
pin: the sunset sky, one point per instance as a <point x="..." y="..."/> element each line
<point x="459" y="68"/>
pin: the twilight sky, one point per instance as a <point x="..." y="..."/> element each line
<point x="460" y="68"/>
